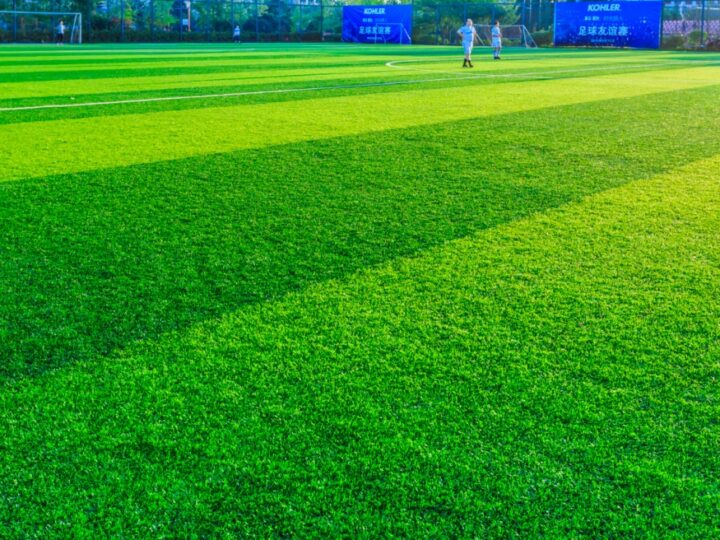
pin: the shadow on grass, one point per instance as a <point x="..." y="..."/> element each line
<point x="90" y="262"/>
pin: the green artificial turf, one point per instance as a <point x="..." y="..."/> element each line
<point x="459" y="308"/>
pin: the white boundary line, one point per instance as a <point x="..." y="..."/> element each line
<point x="231" y="94"/>
<point x="533" y="75"/>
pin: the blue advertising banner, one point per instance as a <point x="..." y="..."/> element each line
<point x="377" y="24"/>
<point x="608" y="24"/>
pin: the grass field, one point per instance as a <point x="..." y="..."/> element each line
<point x="336" y="291"/>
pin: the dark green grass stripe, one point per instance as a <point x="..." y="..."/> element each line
<point x="169" y="50"/>
<point x="555" y="378"/>
<point x="158" y="52"/>
<point x="97" y="67"/>
<point x="253" y="53"/>
<point x="11" y="117"/>
<point x="292" y="59"/>
<point x="246" y="53"/>
<point x="9" y="55"/>
<point x="267" y="61"/>
<point x="38" y="76"/>
<point x="91" y="262"/>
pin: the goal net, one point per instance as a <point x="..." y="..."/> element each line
<point x="513" y="35"/>
<point x="39" y="26"/>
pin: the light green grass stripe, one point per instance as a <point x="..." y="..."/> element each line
<point x="44" y="148"/>
<point x="79" y="56"/>
<point x="157" y="54"/>
<point x="263" y="59"/>
<point x="264" y="75"/>
<point x="222" y="60"/>
<point x="132" y="252"/>
<point x="206" y="80"/>
<point x="557" y="374"/>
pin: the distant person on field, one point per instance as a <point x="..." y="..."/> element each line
<point x="236" y="34"/>
<point x="496" y="40"/>
<point x="60" y="33"/>
<point x="468" y="35"/>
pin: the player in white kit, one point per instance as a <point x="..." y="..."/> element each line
<point x="496" y="40"/>
<point x="468" y="35"/>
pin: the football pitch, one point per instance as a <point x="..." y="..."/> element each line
<point x="320" y="291"/>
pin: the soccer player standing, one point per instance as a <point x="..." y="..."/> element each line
<point x="468" y="35"/>
<point x="60" y="33"/>
<point x="496" y="40"/>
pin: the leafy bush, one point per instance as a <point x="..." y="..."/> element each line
<point x="673" y="42"/>
<point x="543" y="38"/>
<point x="713" y="45"/>
<point x="696" y="39"/>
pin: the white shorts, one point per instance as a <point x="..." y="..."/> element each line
<point x="496" y="42"/>
<point x="468" y="48"/>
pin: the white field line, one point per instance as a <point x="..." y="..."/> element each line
<point x="462" y="76"/>
<point x="226" y="94"/>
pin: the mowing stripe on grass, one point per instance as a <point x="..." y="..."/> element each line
<point x="42" y="148"/>
<point x="557" y="374"/>
<point x="219" y="61"/>
<point x="220" y="85"/>
<point x="334" y="74"/>
<point x="57" y="89"/>
<point x="401" y="64"/>
<point x="201" y="81"/>
<point x="250" y="74"/>
<point x="94" y="261"/>
<point x="140" y="71"/>
<point x="231" y="94"/>
<point x="231" y="59"/>
<point x="399" y="338"/>
<point x="246" y="66"/>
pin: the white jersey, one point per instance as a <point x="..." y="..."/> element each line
<point x="496" y="36"/>
<point x="468" y="34"/>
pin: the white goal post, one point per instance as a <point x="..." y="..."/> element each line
<point x="39" y="26"/>
<point x="513" y="35"/>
